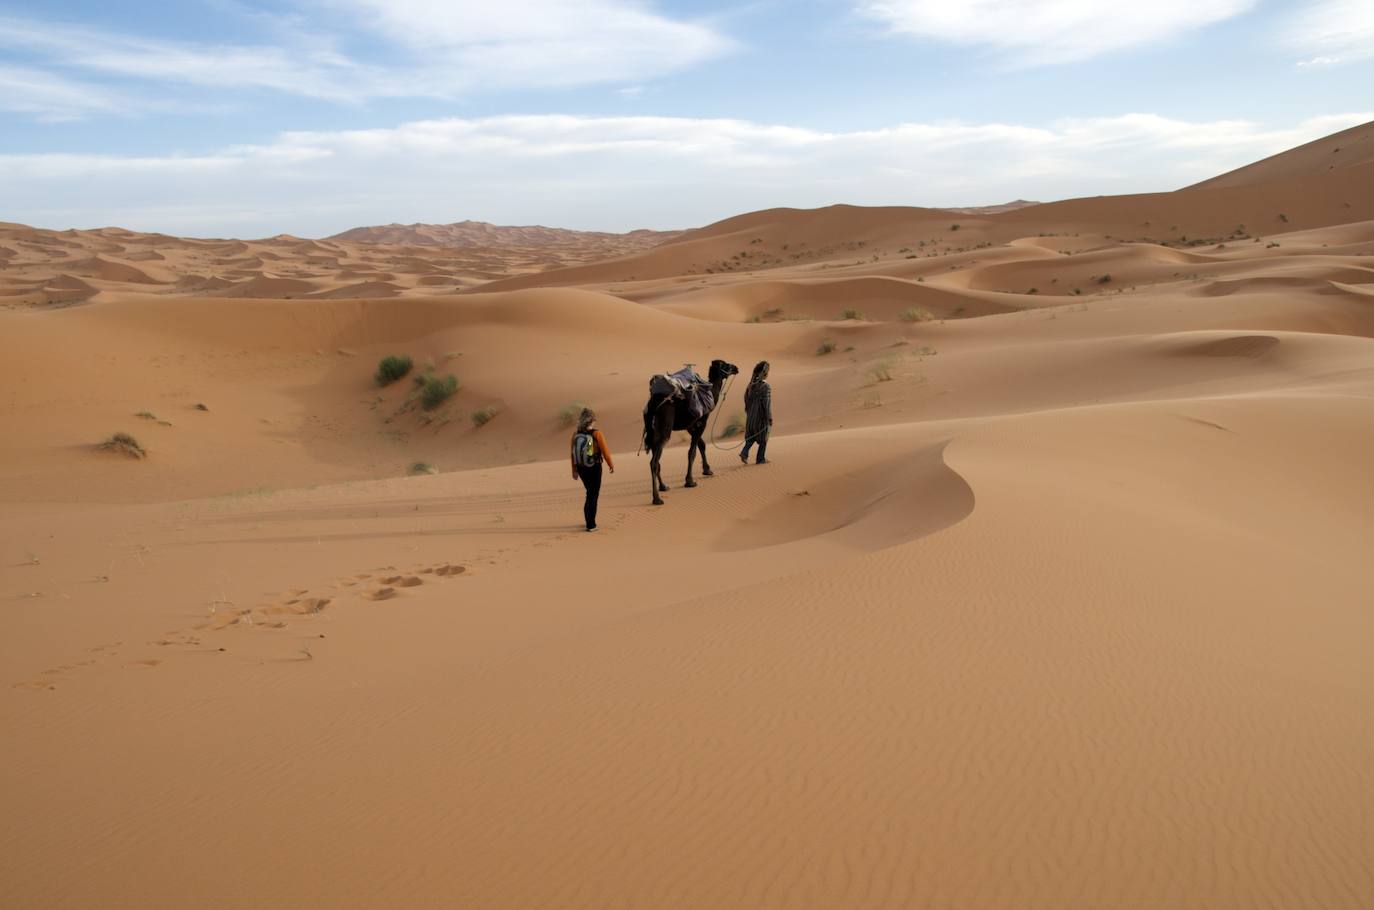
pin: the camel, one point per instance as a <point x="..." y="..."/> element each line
<point x="663" y="415"/>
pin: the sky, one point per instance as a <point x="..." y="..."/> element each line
<point x="250" y="118"/>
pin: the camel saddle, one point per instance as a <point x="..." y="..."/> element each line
<point x="685" y="385"/>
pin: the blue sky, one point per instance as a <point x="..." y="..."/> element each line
<point x="249" y="117"/>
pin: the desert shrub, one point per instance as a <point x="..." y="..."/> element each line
<point x="422" y="467"/>
<point x="124" y="444"/>
<point x="851" y="313"/>
<point x="435" y="391"/>
<point x="568" y="415"/>
<point x="826" y="347"/>
<point x="392" y="367"/>
<point x="881" y="371"/>
<point x="915" y="314"/>
<point x="483" y="416"/>
<point x="1283" y="217"/>
<point x="734" y="426"/>
<point x="1105" y="279"/>
<point x="954" y="227"/>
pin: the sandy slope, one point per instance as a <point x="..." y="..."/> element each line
<point x="1048" y="600"/>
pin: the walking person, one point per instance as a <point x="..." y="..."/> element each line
<point x="758" y="413"/>
<point x="589" y="450"/>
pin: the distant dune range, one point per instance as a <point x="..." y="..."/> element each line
<point x="1055" y="594"/>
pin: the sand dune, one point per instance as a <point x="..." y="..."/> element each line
<point x="1046" y="599"/>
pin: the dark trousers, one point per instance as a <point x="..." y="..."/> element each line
<point x="591" y="479"/>
<point x="761" y="439"/>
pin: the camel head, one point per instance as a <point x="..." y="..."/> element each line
<point x="719" y="370"/>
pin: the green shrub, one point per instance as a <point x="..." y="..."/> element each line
<point x="826" y="347"/>
<point x="483" y="416"/>
<point x="851" y="313"/>
<point x="734" y="426"/>
<point x="915" y="314"/>
<point x="393" y="367"/>
<point x="124" y="444"/>
<point x="435" y="391"/>
<point x="954" y="227"/>
<point x="1105" y="279"/>
<point x="569" y="414"/>
<point x="422" y="467"/>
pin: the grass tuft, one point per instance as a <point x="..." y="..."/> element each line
<point x="124" y="444"/>
<point x="851" y="313"/>
<point x="392" y="367"/>
<point x="826" y="347"/>
<point x="734" y="426"/>
<point x="435" y="391"/>
<point x="422" y="467"/>
<point x="915" y="314"/>
<point x="881" y="371"/>
<point x="483" y="416"/>
<point x="567" y="417"/>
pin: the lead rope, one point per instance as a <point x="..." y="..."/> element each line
<point x="720" y="406"/>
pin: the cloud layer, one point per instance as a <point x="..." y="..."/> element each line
<point x="1049" y="31"/>
<point x="618" y="173"/>
<point x="1334" y="31"/>
<point x="413" y="49"/>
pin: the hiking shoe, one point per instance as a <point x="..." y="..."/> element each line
<point x="763" y="461"/>
<point x="744" y="458"/>
<point x="592" y="528"/>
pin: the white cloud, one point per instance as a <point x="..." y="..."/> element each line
<point x="1049" y="31"/>
<point x="312" y="71"/>
<point x="539" y="42"/>
<point x="51" y="98"/>
<point x="617" y="173"/>
<point x="444" y="49"/>
<point x="1334" y="31"/>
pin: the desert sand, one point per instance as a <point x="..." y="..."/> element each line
<point x="1055" y="595"/>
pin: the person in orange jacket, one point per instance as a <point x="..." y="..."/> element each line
<point x="589" y="450"/>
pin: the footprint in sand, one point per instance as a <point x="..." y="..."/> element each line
<point x="302" y="606"/>
<point x="403" y="581"/>
<point x="449" y="571"/>
<point x="380" y="594"/>
<point x="142" y="664"/>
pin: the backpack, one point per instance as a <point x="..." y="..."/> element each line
<point x="584" y="451"/>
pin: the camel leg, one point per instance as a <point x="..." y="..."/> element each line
<point x="655" y="483"/>
<point x="691" y="457"/>
<point x="705" y="465"/>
